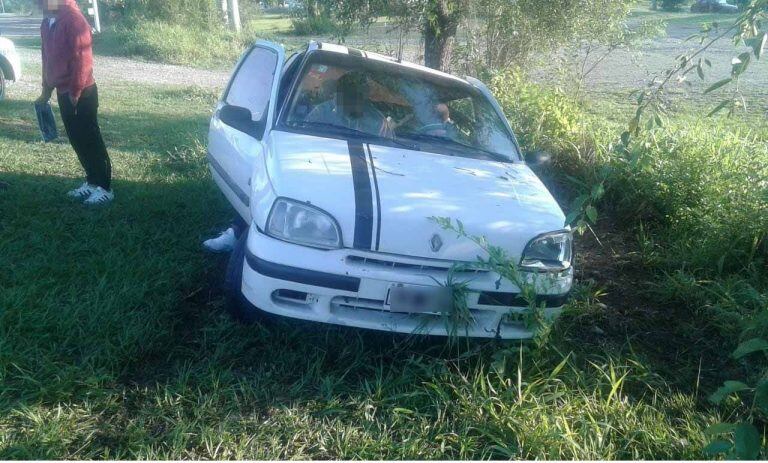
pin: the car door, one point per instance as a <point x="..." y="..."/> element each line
<point x="242" y="120"/>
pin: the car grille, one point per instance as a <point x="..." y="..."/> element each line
<point x="347" y="302"/>
<point x="442" y="267"/>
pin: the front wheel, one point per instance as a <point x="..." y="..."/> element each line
<point x="236" y="304"/>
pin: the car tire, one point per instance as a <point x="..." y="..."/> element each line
<point x="236" y="304"/>
<point x="2" y="84"/>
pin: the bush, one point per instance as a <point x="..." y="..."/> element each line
<point x="703" y="182"/>
<point x="175" y="44"/>
<point x="698" y="187"/>
<point x="672" y="5"/>
<point x="318" y="25"/>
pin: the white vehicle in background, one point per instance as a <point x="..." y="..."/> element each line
<point x="337" y="159"/>
<point x="10" y="65"/>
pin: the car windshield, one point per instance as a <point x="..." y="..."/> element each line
<point x="372" y="99"/>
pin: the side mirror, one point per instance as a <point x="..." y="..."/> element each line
<point x="538" y="159"/>
<point x="241" y="119"/>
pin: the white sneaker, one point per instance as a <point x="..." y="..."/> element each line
<point x="82" y="192"/>
<point x="99" y="197"/>
<point x="223" y="243"/>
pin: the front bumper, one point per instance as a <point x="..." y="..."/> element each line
<point x="348" y="287"/>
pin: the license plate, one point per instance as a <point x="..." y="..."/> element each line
<point x="418" y="299"/>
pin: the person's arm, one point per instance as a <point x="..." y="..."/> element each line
<point x="82" y="59"/>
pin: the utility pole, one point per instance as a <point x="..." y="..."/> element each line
<point x="235" y="12"/>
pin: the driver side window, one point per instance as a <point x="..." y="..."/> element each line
<point x="251" y="87"/>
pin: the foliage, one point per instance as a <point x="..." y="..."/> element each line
<point x="206" y="14"/>
<point x="196" y="13"/>
<point x="437" y="20"/>
<point x="672" y="5"/>
<point x="507" y="33"/>
<point x="178" y="44"/>
<point x="749" y="30"/>
<point x="312" y="17"/>
<point x="742" y="440"/>
<point x="700" y="187"/>
<point x="497" y="260"/>
<point x="19" y="6"/>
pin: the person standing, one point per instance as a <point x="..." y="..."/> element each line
<point x="68" y="69"/>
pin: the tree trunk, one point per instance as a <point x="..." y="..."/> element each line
<point x="225" y="12"/>
<point x="235" y="12"/>
<point x="441" y="23"/>
<point x="438" y="48"/>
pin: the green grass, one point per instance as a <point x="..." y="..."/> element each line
<point x="114" y="342"/>
<point x="192" y="46"/>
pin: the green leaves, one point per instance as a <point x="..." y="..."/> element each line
<point x="719" y="428"/>
<point x="746" y="442"/>
<point x="761" y="396"/>
<point x="718" y="84"/>
<point x="728" y="388"/>
<point x="740" y="64"/>
<point x="757" y="44"/>
<point x="745" y="445"/>
<point x="723" y="104"/>
<point x="750" y="346"/>
<point x="591" y="213"/>
<point x="717" y="447"/>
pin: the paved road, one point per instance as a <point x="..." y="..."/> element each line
<point x="19" y="26"/>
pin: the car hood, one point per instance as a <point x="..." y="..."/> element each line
<point x="383" y="197"/>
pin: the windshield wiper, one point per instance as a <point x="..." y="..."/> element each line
<point x="350" y="131"/>
<point x="449" y="141"/>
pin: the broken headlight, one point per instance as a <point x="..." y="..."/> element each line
<point x="550" y="252"/>
<point x="303" y="224"/>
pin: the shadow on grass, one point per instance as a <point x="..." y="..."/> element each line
<point x="119" y="314"/>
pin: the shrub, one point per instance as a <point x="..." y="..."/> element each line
<point x="317" y="25"/>
<point x="672" y="5"/>
<point x="176" y="44"/>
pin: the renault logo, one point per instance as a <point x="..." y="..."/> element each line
<point x="436" y="243"/>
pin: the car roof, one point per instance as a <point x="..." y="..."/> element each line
<point x="341" y="49"/>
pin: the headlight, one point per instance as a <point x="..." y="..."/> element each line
<point x="303" y="224"/>
<point x="551" y="252"/>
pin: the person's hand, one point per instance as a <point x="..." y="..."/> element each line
<point x="45" y="97"/>
<point x="387" y="128"/>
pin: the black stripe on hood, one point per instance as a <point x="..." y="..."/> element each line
<point x="378" y="198"/>
<point x="363" y="197"/>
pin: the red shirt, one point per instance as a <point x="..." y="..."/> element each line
<point x="67" y="51"/>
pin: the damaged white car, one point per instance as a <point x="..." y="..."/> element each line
<point x="339" y="159"/>
<point x="10" y="65"/>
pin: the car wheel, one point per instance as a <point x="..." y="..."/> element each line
<point x="236" y="304"/>
<point x="2" y="85"/>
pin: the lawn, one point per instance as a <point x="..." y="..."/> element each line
<point x="114" y="343"/>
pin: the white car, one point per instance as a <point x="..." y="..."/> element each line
<point x="338" y="158"/>
<point x="10" y="65"/>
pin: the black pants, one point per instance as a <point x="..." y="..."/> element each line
<point x="82" y="127"/>
<point x="239" y="225"/>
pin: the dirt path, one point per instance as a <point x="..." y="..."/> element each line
<point x="115" y="69"/>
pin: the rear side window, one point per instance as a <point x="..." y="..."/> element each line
<point x="251" y="87"/>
